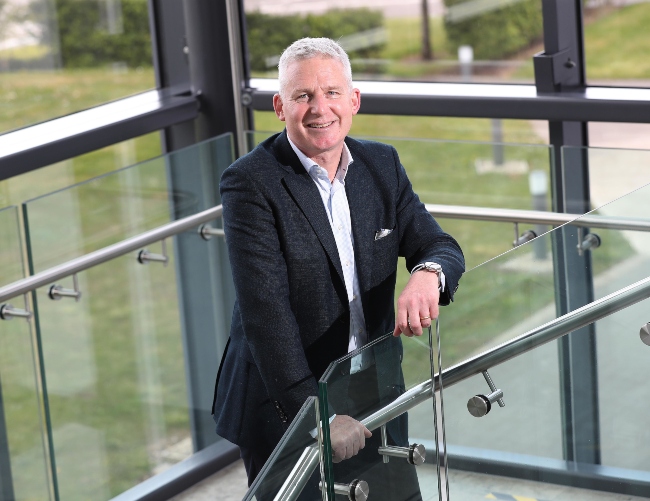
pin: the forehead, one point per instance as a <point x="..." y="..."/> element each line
<point x="321" y="71"/>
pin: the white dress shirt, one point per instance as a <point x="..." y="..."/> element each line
<point x="336" y="205"/>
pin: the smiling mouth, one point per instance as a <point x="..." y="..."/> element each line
<point x="320" y="126"/>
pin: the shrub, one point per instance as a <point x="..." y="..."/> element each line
<point x="269" y="35"/>
<point x="498" y="33"/>
<point x="84" y="40"/>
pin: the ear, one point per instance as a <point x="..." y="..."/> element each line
<point x="356" y="101"/>
<point x="278" y="106"/>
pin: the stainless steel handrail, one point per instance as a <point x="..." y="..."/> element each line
<point x="538" y="336"/>
<point x="536" y="217"/>
<point x="100" y="256"/>
<point x="443" y="211"/>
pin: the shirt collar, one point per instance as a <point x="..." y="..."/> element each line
<point x="308" y="163"/>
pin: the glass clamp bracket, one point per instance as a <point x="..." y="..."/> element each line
<point x="8" y="312"/>
<point x="58" y="292"/>
<point x="145" y="257"/>
<point x="357" y="490"/>
<point x="207" y="232"/>
<point x="644" y="334"/>
<point x="587" y="242"/>
<point x="415" y="454"/>
<point x="526" y="236"/>
<point x="480" y="405"/>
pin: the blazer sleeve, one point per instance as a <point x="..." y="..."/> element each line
<point x="261" y="283"/>
<point x="421" y="237"/>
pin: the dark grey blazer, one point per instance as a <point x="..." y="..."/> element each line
<point x="291" y="317"/>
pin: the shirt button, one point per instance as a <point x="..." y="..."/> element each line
<point x="354" y="298"/>
<point x="340" y="228"/>
<point x="360" y="331"/>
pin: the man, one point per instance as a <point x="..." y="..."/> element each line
<point x="314" y="224"/>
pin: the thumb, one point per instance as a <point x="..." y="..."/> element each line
<point x="367" y="432"/>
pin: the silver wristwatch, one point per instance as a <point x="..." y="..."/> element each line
<point x="432" y="267"/>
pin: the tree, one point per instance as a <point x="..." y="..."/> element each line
<point x="427" y="53"/>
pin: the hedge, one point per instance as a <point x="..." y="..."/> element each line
<point x="85" y="41"/>
<point x="499" y="33"/>
<point x="269" y="35"/>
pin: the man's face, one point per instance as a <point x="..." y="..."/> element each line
<point x="317" y="105"/>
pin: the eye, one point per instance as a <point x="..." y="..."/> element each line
<point x="333" y="93"/>
<point x="301" y="98"/>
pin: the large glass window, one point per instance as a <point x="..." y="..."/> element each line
<point x="62" y="56"/>
<point x="616" y="42"/>
<point x="423" y="40"/>
<point x="60" y="175"/>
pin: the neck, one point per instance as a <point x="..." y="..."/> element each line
<point x="329" y="161"/>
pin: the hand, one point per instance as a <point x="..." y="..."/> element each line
<point x="348" y="437"/>
<point x="417" y="305"/>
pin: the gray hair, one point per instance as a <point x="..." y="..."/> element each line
<point x="307" y="48"/>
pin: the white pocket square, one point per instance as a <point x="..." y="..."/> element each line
<point x="382" y="233"/>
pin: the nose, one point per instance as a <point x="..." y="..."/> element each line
<point x="318" y="103"/>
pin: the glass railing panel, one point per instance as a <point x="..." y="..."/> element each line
<point x="129" y="369"/>
<point x="24" y="464"/>
<point x="619" y="187"/>
<point x="104" y="210"/>
<point x="298" y="447"/>
<point x="622" y="361"/>
<point x="530" y="438"/>
<point x="362" y="383"/>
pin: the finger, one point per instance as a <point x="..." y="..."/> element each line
<point x="401" y="320"/>
<point x="415" y="325"/>
<point x="425" y="320"/>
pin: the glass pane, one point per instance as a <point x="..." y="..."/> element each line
<point x="23" y="450"/>
<point x="366" y="381"/>
<point x="616" y="43"/>
<point x="613" y="172"/>
<point x="297" y="446"/>
<point x="116" y="360"/>
<point x="60" y="175"/>
<point x="490" y="457"/>
<point x="121" y="204"/>
<point x="438" y="40"/>
<point x="60" y="57"/>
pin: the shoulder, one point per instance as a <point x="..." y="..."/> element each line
<point x="261" y="156"/>
<point x="374" y="154"/>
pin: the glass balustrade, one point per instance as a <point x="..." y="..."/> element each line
<point x="121" y="358"/>
<point x="298" y="451"/>
<point x="24" y="461"/>
<point x="558" y="416"/>
<point x="392" y="463"/>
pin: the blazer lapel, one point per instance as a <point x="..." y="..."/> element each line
<point x="360" y="188"/>
<point x="305" y="193"/>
